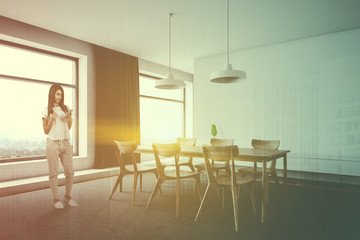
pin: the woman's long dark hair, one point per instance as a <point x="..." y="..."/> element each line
<point x="51" y="98"/>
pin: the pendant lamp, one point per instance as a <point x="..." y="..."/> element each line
<point x="228" y="75"/>
<point x="169" y="82"/>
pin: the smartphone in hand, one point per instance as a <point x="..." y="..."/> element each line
<point x="69" y="113"/>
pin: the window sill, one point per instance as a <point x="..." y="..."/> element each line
<point x="37" y="183"/>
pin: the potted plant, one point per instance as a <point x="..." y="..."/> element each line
<point x="213" y="130"/>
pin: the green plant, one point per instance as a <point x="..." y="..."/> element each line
<point x="213" y="130"/>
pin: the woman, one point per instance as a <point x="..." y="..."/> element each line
<point x="57" y="121"/>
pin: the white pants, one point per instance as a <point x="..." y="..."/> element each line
<point x="55" y="150"/>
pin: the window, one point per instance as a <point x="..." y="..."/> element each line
<point x="26" y="75"/>
<point x="161" y="112"/>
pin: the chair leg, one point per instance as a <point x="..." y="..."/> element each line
<point x="227" y="168"/>
<point x="235" y="207"/>
<point x="120" y="188"/>
<point x="177" y="196"/>
<point x="118" y="180"/>
<point x="274" y="176"/>
<point x="267" y="193"/>
<point x="253" y="198"/>
<point x="191" y="166"/>
<point x="140" y="182"/>
<point x="267" y="190"/>
<point x="194" y="190"/>
<point x="157" y="176"/>
<point x="273" y="171"/>
<point x="195" y="186"/>
<point x="156" y="188"/>
<point x="198" y="185"/>
<point x="203" y="200"/>
<point x="223" y="197"/>
<point x="134" y="187"/>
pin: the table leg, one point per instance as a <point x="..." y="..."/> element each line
<point x="285" y="168"/>
<point x="263" y="205"/>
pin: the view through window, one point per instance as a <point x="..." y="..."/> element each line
<point x="26" y="75"/>
<point x="161" y="112"/>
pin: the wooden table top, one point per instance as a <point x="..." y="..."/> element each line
<point x="245" y="154"/>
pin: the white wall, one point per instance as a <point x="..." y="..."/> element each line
<point x="305" y="93"/>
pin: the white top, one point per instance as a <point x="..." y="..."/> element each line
<point x="60" y="128"/>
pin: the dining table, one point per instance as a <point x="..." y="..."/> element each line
<point x="245" y="155"/>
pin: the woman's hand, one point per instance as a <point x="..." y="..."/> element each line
<point x="47" y="124"/>
<point x="68" y="118"/>
<point x="53" y="116"/>
<point x="68" y="115"/>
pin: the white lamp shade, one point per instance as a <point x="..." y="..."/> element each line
<point x="228" y="75"/>
<point x="169" y="83"/>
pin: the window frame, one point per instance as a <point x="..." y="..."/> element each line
<point x="183" y="102"/>
<point x="74" y="86"/>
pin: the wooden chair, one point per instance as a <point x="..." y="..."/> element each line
<point x="171" y="150"/>
<point x="257" y="173"/>
<point x="264" y="145"/>
<point x="183" y="161"/>
<point x="217" y="166"/>
<point x="128" y="148"/>
<point x="234" y="180"/>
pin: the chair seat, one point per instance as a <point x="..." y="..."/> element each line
<point x="226" y="179"/>
<point x="170" y="162"/>
<point x="141" y="168"/>
<point x="183" y="173"/>
<point x="250" y="170"/>
<point x="201" y="167"/>
<point x="258" y="173"/>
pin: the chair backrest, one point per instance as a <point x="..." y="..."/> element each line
<point x="265" y="144"/>
<point x="166" y="150"/>
<point x="125" y="148"/>
<point x="219" y="153"/>
<point x="221" y="142"/>
<point x="186" y="141"/>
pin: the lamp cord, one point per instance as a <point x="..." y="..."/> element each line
<point x="170" y="15"/>
<point x="228" y="41"/>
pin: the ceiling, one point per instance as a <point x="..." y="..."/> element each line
<point x="140" y="27"/>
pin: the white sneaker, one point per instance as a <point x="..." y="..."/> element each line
<point x="71" y="203"/>
<point x="58" y="205"/>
